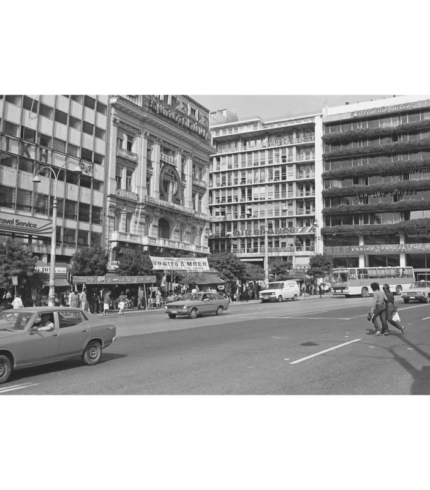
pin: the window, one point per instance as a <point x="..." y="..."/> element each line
<point x="102" y="108"/>
<point x="128" y="181"/>
<point x="14" y="99"/>
<point x="41" y="204"/>
<point x="8" y="160"/>
<point x="30" y="104"/>
<point x="85" y="181"/>
<point x="97" y="185"/>
<point x="96" y="239"/>
<point x="60" y="116"/>
<point x="87" y="155"/>
<point x="100" y="133"/>
<point x="83" y="238"/>
<point x="75" y="123"/>
<point x="119" y="142"/>
<point x="77" y="98"/>
<point x="73" y="150"/>
<point x="28" y="135"/>
<point x="69" y="235"/>
<point x="70" y="318"/>
<point x="25" y="165"/>
<point x="97" y="215"/>
<point x="99" y="159"/>
<point x="71" y="177"/>
<point x="70" y="210"/>
<point x="7" y="196"/>
<point x="129" y="143"/>
<point x="59" y="145"/>
<point x="89" y="102"/>
<point x="24" y="200"/>
<point x="118" y="177"/>
<point x="10" y="128"/>
<point x="45" y="141"/>
<point x="60" y="209"/>
<point x="88" y="128"/>
<point x="46" y="111"/>
<point x="84" y="213"/>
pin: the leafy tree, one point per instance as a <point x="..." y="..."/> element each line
<point x="319" y="266"/>
<point x="228" y="265"/>
<point x="15" y="260"/>
<point x="136" y="264"/>
<point x="280" y="270"/>
<point x="253" y="272"/>
<point x="90" y="261"/>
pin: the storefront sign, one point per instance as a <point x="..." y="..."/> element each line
<point x="275" y="231"/>
<point x="415" y="247"/>
<point x="180" y="119"/>
<point x="179" y="264"/>
<point x="92" y="280"/>
<point x="25" y="224"/>
<point x="127" y="194"/>
<point x="58" y="270"/>
<point x="383" y="110"/>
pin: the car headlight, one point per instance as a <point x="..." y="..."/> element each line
<point x="166" y="308"/>
<point x="184" y="307"/>
<point x="273" y="294"/>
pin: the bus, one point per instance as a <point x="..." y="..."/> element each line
<point x="356" y="281"/>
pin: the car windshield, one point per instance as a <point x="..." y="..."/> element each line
<point x="275" y="285"/>
<point x="421" y="284"/>
<point x="192" y="297"/>
<point x="340" y="276"/>
<point x="14" y="320"/>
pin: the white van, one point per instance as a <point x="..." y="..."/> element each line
<point x="279" y="291"/>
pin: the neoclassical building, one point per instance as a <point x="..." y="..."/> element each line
<point x="157" y="180"/>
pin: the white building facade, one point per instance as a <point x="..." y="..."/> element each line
<point x="266" y="169"/>
<point x="157" y="183"/>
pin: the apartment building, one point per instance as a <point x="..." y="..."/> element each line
<point x="157" y="185"/>
<point x="266" y="169"/>
<point x="53" y="130"/>
<point x="376" y="183"/>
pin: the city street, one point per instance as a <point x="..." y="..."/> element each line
<point x="313" y="346"/>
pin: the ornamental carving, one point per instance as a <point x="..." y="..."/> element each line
<point x="126" y="127"/>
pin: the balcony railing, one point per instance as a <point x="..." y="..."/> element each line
<point x="177" y="245"/>
<point x="199" y="182"/>
<point x="129" y="155"/>
<point x="118" y="236"/>
<point x="169" y="205"/>
<point x="167" y="158"/>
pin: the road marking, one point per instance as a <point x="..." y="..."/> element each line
<point x="314" y="318"/>
<point x="17" y="387"/>
<point x="426" y="318"/>
<point x="324" y="351"/>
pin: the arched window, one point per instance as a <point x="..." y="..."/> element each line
<point x="193" y="235"/>
<point x="117" y="220"/>
<point x="163" y="228"/>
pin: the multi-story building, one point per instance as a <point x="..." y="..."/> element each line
<point x="157" y="187"/>
<point x="376" y="183"/>
<point x="53" y="130"/>
<point x="265" y="169"/>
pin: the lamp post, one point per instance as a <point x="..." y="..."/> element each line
<point x="316" y="238"/>
<point x="37" y="180"/>
<point x="266" y="239"/>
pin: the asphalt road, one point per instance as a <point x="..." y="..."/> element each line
<point x="310" y="347"/>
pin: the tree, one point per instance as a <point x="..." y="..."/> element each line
<point x="228" y="265"/>
<point x="280" y="270"/>
<point x="319" y="266"/>
<point x="90" y="261"/>
<point x="15" y="260"/>
<point x="136" y="264"/>
<point x="253" y="272"/>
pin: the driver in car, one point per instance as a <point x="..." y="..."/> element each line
<point x="46" y="322"/>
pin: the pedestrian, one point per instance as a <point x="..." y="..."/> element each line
<point x="321" y="290"/>
<point x="379" y="309"/>
<point x="56" y="300"/>
<point x="74" y="299"/>
<point x="391" y="307"/>
<point x="121" y="303"/>
<point x="38" y="301"/>
<point x="17" y="302"/>
<point x="96" y="301"/>
<point x="106" y="301"/>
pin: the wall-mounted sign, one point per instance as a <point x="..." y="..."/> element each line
<point x="58" y="270"/>
<point x="113" y="279"/>
<point x="416" y="247"/>
<point x="127" y="194"/>
<point x="180" y="264"/>
<point x="25" y="224"/>
<point x="275" y="231"/>
<point x="383" y="110"/>
<point x="180" y="119"/>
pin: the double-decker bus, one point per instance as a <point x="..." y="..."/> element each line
<point x="353" y="281"/>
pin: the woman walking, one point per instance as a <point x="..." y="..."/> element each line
<point x="121" y="304"/>
<point x="379" y="309"/>
<point x="391" y="307"/>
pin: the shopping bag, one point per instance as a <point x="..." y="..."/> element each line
<point x="396" y="317"/>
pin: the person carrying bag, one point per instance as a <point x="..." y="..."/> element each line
<point x="392" y="315"/>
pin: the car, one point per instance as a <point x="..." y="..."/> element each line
<point x="280" y="291"/>
<point x="42" y="335"/>
<point x="197" y="304"/>
<point x="419" y="291"/>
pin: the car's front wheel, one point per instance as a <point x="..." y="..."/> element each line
<point x="220" y="310"/>
<point x="93" y="353"/>
<point x="193" y="313"/>
<point x="295" y="297"/>
<point x="5" y="369"/>
<point x="279" y="299"/>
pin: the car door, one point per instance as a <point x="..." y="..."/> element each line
<point x="74" y="332"/>
<point x="41" y="345"/>
<point x="207" y="305"/>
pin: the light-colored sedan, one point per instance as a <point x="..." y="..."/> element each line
<point x="34" y="336"/>
<point x="197" y="304"/>
<point x="419" y="291"/>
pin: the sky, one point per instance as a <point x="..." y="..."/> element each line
<point x="268" y="106"/>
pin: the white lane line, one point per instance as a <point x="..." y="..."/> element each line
<point x="18" y="387"/>
<point x="426" y="318"/>
<point x="314" y="318"/>
<point x="324" y="351"/>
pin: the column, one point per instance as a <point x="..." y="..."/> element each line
<point x="156" y="168"/>
<point x="189" y="181"/>
<point x="141" y="190"/>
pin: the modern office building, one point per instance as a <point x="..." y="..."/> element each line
<point x="157" y="185"/>
<point x="266" y="169"/>
<point x="62" y="132"/>
<point x="376" y="183"/>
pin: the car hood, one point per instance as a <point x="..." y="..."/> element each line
<point x="4" y="334"/>
<point x="417" y="290"/>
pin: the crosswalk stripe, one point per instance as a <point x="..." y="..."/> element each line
<point x="17" y="387"/>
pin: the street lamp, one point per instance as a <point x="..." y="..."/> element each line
<point x="37" y="180"/>
<point x="266" y="239"/>
<point x="317" y="237"/>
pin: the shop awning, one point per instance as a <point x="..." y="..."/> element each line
<point x="205" y="278"/>
<point x="58" y="282"/>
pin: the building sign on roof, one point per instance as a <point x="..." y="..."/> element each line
<point x="180" y="264"/>
<point x="25" y="224"/>
<point x="383" y="110"/>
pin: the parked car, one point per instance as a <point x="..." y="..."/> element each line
<point x="34" y="336"/>
<point x="280" y="291"/>
<point x="419" y="291"/>
<point x="197" y="304"/>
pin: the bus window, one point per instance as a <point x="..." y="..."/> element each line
<point x="372" y="274"/>
<point x="409" y="272"/>
<point x="362" y="274"/>
<point x="391" y="272"/>
<point x="352" y="273"/>
<point x="381" y="273"/>
<point x="340" y="276"/>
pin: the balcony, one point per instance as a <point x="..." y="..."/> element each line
<point x="199" y="182"/>
<point x="169" y="205"/>
<point x="306" y="194"/>
<point x="167" y="158"/>
<point x="118" y="236"/>
<point x="301" y="211"/>
<point x="132" y="196"/>
<point x="278" y="251"/>
<point x="128" y="155"/>
<point x="173" y="244"/>
<point x="305" y="175"/>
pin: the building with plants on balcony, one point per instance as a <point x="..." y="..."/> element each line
<point x="157" y="187"/>
<point x="376" y="183"/>
<point x="265" y="168"/>
<point x="61" y="132"/>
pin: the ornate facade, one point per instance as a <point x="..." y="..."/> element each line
<point x="157" y="183"/>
